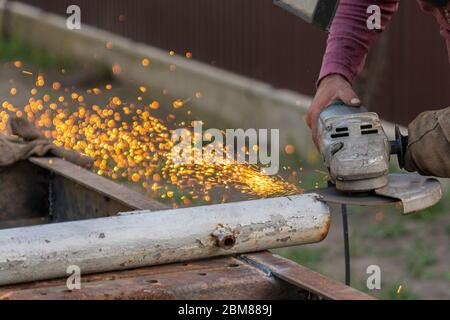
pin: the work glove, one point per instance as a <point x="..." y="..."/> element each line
<point x="428" y="150"/>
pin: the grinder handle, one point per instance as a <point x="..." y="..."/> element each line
<point x="339" y="108"/>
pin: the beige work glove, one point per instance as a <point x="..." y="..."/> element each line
<point x="428" y="150"/>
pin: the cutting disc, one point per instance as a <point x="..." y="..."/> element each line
<point x="332" y="195"/>
<point x="412" y="191"/>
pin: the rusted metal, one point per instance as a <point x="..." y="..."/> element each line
<point x="253" y="276"/>
<point x="225" y="237"/>
<point x="24" y="190"/>
<point x="72" y="201"/>
<point x="53" y="190"/>
<point x="304" y="278"/>
<point x="220" y="278"/>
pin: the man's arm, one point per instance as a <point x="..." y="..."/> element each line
<point x="348" y="44"/>
<point x="428" y="150"/>
<point x="350" y="39"/>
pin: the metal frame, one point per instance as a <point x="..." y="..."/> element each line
<point x="54" y="190"/>
<point x="259" y="275"/>
<point x="100" y="185"/>
<point x="146" y="238"/>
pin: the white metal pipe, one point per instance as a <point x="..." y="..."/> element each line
<point x="151" y="238"/>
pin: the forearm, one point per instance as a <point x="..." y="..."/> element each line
<point x="350" y="39"/>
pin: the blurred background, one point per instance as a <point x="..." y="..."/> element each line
<point x="406" y="73"/>
<point x="239" y="64"/>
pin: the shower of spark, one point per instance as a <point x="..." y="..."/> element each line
<point x="130" y="144"/>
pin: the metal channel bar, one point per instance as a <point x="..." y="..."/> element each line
<point x="303" y="277"/>
<point x="99" y="184"/>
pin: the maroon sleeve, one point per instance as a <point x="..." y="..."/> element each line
<point x="350" y="39"/>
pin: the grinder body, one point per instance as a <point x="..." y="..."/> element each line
<point x="354" y="147"/>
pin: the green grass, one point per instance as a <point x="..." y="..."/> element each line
<point x="310" y="258"/>
<point x="430" y="214"/>
<point x="389" y="293"/>
<point x="389" y="252"/>
<point x="387" y="230"/>
<point x="357" y="249"/>
<point x="447" y="229"/>
<point x="446" y="275"/>
<point x="12" y="49"/>
<point x="418" y="260"/>
<point x="404" y="294"/>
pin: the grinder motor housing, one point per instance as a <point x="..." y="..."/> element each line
<point x="354" y="147"/>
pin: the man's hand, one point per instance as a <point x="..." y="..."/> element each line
<point x="331" y="88"/>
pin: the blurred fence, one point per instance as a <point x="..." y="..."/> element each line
<point x="407" y="72"/>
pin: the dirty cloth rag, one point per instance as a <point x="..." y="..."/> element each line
<point x="25" y="141"/>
